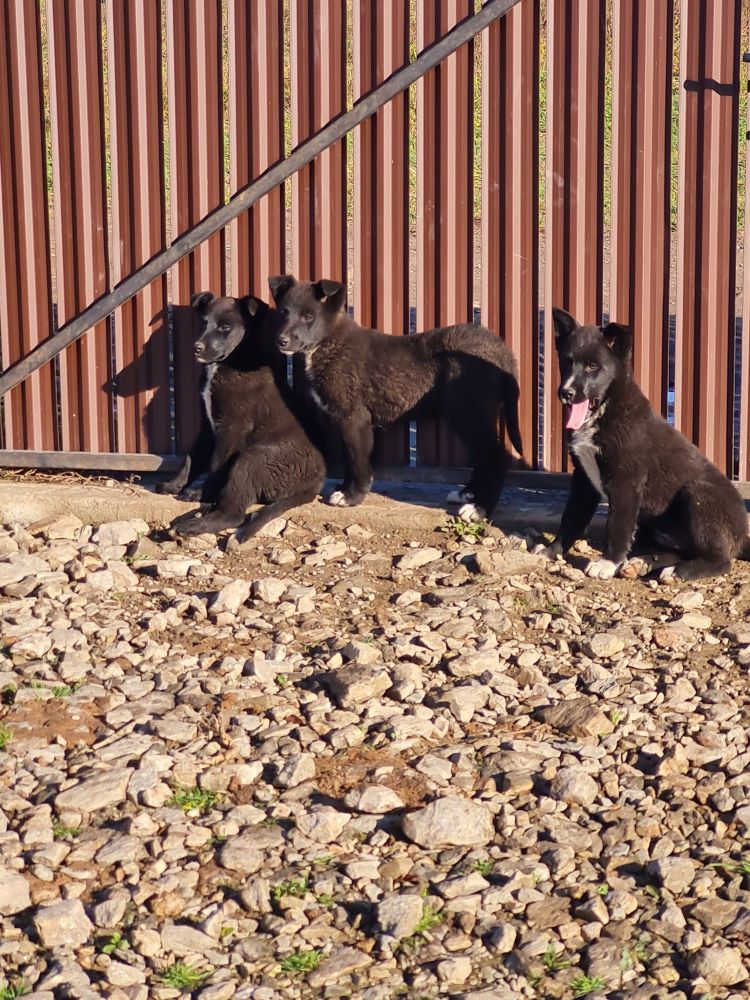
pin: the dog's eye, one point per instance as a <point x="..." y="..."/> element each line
<point x="224" y="328"/>
<point x="591" y="367"/>
<point x="307" y="317"/>
<point x="284" y="313"/>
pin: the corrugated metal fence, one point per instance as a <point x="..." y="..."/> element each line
<point x="581" y="153"/>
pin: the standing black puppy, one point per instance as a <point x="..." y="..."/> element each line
<point x="655" y="480"/>
<point x="364" y="379"/>
<point x="250" y="441"/>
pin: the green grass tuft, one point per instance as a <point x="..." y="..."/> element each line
<point x="292" y="887"/>
<point x="301" y="962"/>
<point x="182" y="976"/>
<point x="11" y="991"/>
<point x="583" y="985"/>
<point x="5" y="737"/>
<point x="188" y="799"/>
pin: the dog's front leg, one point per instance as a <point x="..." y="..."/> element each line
<point x="624" y="504"/>
<point x="195" y="464"/>
<point x="358" y="442"/>
<point x="583" y="500"/>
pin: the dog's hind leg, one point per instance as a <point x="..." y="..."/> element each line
<point x="696" y="569"/>
<point x="252" y="524"/>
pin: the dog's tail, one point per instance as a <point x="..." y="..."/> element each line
<point x="510" y="407"/>
<point x="744" y="552"/>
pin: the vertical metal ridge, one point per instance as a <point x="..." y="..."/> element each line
<point x="574" y="188"/>
<point x="138" y="224"/>
<point x="25" y="306"/>
<point x="510" y="199"/>
<point x="381" y="189"/>
<point x="256" y="140"/>
<point x="709" y="78"/>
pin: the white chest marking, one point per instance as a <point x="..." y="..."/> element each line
<point x="206" y="394"/>
<point x="583" y="446"/>
<point x="311" y="379"/>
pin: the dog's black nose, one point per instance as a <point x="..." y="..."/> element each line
<point x="567" y="395"/>
<point x="199" y="348"/>
<point x="283" y="342"/>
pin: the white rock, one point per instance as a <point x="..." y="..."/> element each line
<point x="296" y="769"/>
<point x="184" y="940"/>
<point x="269" y="590"/>
<point x="454" y="970"/>
<point x="14" y="892"/>
<point x="574" y="786"/>
<point x="415" y="558"/>
<point x="719" y="966"/>
<point x="63" y="924"/>
<point x="231" y="597"/>
<point x="398" y="916"/>
<point x="450" y="822"/>
<point x="103" y="790"/>
<point x="354" y="684"/>
<point x="375" y="799"/>
<point x="323" y="824"/>
<point x="675" y="874"/>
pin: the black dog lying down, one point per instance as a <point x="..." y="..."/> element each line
<point x="656" y="481"/>
<point x="364" y="379"/>
<point x="250" y="440"/>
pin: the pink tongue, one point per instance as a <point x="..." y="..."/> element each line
<point x="577" y="414"/>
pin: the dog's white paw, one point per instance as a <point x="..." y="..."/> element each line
<point x="601" y="569"/>
<point x="551" y="552"/>
<point x="469" y="512"/>
<point x="338" y="499"/>
<point x="458" y="497"/>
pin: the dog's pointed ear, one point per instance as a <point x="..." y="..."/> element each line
<point x="280" y="285"/>
<point x="201" y="300"/>
<point x="332" y="292"/>
<point x="253" y="305"/>
<point x="565" y="324"/>
<point x="619" y="339"/>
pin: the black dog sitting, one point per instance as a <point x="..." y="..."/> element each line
<point x="655" y="480"/>
<point x="250" y="441"/>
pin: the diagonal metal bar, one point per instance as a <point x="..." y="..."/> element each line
<point x="271" y="178"/>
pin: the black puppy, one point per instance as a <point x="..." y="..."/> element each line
<point x="655" y="480"/>
<point x="363" y="379"/>
<point x="250" y="441"/>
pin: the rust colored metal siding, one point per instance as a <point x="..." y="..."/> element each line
<point x="141" y="329"/>
<point x="445" y="210"/>
<point x="25" y="303"/>
<point x="381" y="189"/>
<point x="81" y="221"/>
<point x="639" y="286"/>
<point x="510" y="199"/>
<point x="318" y="93"/>
<point x="256" y="141"/>
<point x="196" y="185"/>
<point x="573" y="187"/>
<point x="706" y="233"/>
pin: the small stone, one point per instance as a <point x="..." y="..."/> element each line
<point x="715" y="913"/>
<point x="269" y="590"/>
<point x="323" y="824"/>
<point x="296" y="769"/>
<point x="362" y="652"/>
<point x="103" y="790"/>
<point x="14" y="892"/>
<point x="454" y="970"/>
<point x="340" y="963"/>
<point x="718" y="966"/>
<point x="63" y="924"/>
<point x="577" y="717"/>
<point x="675" y="874"/>
<point x="240" y="854"/>
<point x="450" y="822"/>
<point x="375" y="799"/>
<point x="120" y="974"/>
<point x="354" y="684"/>
<point x="674" y="762"/>
<point x="398" y="916"/>
<point x="230" y="598"/>
<point x="415" y="558"/>
<point x="462" y="885"/>
<point x="119" y="532"/>
<point x="604" y="644"/>
<point x="184" y="940"/>
<point x="574" y="786"/>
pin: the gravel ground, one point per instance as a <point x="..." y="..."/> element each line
<point x="366" y="764"/>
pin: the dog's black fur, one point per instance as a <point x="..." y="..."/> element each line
<point x="250" y="441"/>
<point x="655" y="480"/>
<point x="363" y="379"/>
